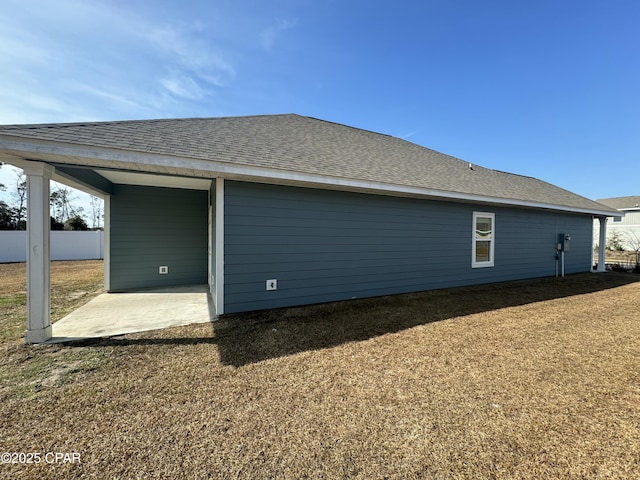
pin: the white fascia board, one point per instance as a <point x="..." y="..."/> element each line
<point x="154" y="180"/>
<point x="303" y="179"/>
<point x="59" y="178"/>
<point x="100" y="157"/>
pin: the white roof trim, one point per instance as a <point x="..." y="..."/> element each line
<point x="101" y="157"/>
<point x="149" y="179"/>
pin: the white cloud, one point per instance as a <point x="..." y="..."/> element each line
<point x="98" y="61"/>
<point x="269" y="35"/>
<point x="187" y="47"/>
<point x="122" y="100"/>
<point x="181" y="85"/>
<point x="21" y="47"/>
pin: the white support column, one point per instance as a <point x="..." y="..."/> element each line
<point x="602" y="243"/>
<point x="211" y="242"/>
<point x="38" y="252"/>
<point x="219" y="246"/>
<point x="106" y="255"/>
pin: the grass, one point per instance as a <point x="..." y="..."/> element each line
<point x="72" y="284"/>
<point x="529" y="380"/>
<point x="25" y="369"/>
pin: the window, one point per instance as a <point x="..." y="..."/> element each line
<point x="483" y="239"/>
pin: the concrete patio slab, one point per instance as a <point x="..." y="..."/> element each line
<point x="112" y="314"/>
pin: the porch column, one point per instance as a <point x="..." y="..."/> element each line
<point x="38" y="252"/>
<point x="219" y="247"/>
<point x="602" y="243"/>
<point x="106" y="243"/>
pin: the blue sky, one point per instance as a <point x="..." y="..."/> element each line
<point x="549" y="88"/>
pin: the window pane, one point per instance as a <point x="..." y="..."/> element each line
<point x="483" y="227"/>
<point x="483" y="251"/>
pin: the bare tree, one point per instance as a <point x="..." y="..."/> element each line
<point x="96" y="211"/>
<point x="61" y="204"/>
<point x="633" y="241"/>
<point x="19" y="196"/>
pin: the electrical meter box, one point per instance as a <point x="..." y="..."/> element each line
<point x="563" y="242"/>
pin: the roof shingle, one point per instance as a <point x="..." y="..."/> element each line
<point x="620" y="203"/>
<point x="305" y="145"/>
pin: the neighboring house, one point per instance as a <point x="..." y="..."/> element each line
<point x="283" y="210"/>
<point x="628" y="226"/>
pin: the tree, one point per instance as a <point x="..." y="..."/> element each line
<point x="614" y="242"/>
<point x="10" y="219"/>
<point x="56" y="225"/>
<point x="61" y="204"/>
<point x="76" y="223"/>
<point x="6" y="216"/>
<point x="20" y="200"/>
<point x="633" y="241"/>
<point x="59" y="201"/>
<point x="14" y="214"/>
<point x="96" y="212"/>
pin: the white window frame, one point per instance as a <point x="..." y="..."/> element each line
<point x="492" y="240"/>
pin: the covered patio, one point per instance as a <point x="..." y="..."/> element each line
<point x="135" y="301"/>
<point x="111" y="314"/>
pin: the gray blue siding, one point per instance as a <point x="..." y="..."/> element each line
<point x="326" y="245"/>
<point x="153" y="226"/>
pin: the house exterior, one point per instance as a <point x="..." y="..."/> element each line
<point x="283" y="210"/>
<point x="628" y="226"/>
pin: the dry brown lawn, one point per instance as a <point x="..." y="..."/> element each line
<point x="526" y="380"/>
<point x="72" y="284"/>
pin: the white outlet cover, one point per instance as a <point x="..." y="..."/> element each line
<point x="272" y="284"/>
<point x="163" y="270"/>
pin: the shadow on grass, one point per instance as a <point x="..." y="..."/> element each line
<point x="256" y="336"/>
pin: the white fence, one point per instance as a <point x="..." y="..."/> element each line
<point x="64" y="246"/>
<point x="629" y="235"/>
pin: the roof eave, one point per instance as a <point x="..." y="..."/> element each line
<point x="12" y="147"/>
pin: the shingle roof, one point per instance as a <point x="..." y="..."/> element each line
<point x="306" y="145"/>
<point x="621" y="202"/>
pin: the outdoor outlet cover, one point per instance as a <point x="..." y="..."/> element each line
<point x="164" y="270"/>
<point x="272" y="284"/>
